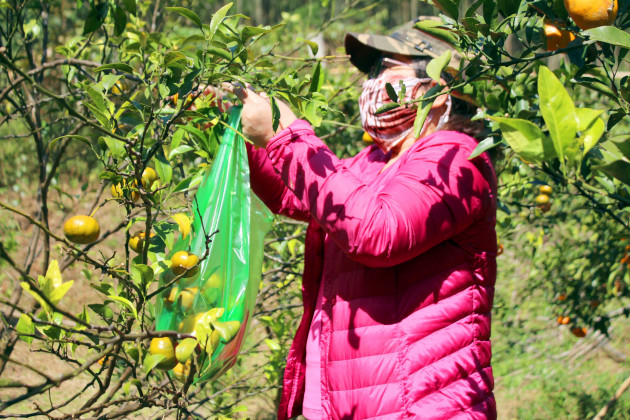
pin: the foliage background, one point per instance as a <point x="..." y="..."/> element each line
<point x="563" y="262"/>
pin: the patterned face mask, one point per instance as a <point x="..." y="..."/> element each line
<point x="389" y="128"/>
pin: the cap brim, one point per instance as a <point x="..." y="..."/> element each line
<point x="365" y="49"/>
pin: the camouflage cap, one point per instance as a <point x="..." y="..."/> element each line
<point x="365" y="49"/>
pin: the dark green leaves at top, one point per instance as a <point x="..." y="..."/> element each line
<point x="96" y="17"/>
<point x="610" y="35"/>
<point x="186" y="13"/>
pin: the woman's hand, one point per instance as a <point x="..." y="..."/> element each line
<point x="256" y="117"/>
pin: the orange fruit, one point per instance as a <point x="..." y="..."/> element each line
<point x="589" y="14"/>
<point x="562" y="297"/>
<point x="500" y="249"/>
<point x="579" y="331"/>
<point x="136" y="242"/>
<point x="149" y="176"/>
<point x="542" y="199"/>
<point x="81" y="229"/>
<point x="181" y="371"/>
<point x="165" y="347"/>
<point x="557" y="38"/>
<point x="545" y="189"/>
<point x="117" y="191"/>
<point x="182" y="261"/>
<point x="367" y="138"/>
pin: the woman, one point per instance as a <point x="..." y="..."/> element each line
<point x="400" y="252"/>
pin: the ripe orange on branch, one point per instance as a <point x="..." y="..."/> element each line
<point x="81" y="229"/>
<point x="556" y="39"/>
<point x="165" y="347"/>
<point x="182" y="261"/>
<point x="589" y="14"/>
<point x="136" y="242"/>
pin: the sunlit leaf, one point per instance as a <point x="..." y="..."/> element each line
<point x="184" y="223"/>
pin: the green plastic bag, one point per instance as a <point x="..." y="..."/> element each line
<point x="217" y="303"/>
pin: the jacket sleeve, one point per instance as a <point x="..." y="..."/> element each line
<point x="435" y="194"/>
<point x="270" y="188"/>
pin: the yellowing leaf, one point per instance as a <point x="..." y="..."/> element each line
<point x="183" y="222"/>
<point x="53" y="273"/>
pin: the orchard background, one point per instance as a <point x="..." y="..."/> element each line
<point x="92" y="93"/>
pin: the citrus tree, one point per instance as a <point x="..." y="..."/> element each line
<point x="127" y="92"/>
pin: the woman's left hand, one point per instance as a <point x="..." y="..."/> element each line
<point x="256" y="117"/>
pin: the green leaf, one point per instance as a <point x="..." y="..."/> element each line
<point x="526" y="139"/>
<point x="437" y="65"/>
<point x="219" y="52"/>
<point x="102" y="309"/>
<point x="436" y="29"/>
<point x="176" y="59"/>
<point x="151" y="361"/>
<point x="163" y="167"/>
<point x="314" y="46"/>
<point x="70" y="136"/>
<point x="217" y="19"/>
<point x="424" y="107"/>
<point x="485" y="145"/>
<point x="131" y="7"/>
<point x="120" y="20"/>
<point x="126" y="303"/>
<point x="251" y="31"/>
<point x="186" y="13"/>
<point x="275" y="113"/>
<point x="449" y="7"/>
<point x="59" y="292"/>
<point x="387" y="107"/>
<point x="391" y="92"/>
<point x="25" y="326"/>
<point x="558" y="111"/>
<point x="126" y="68"/>
<point x="185" y="349"/>
<point x="141" y="274"/>
<point x="318" y="79"/>
<point x="96" y="17"/>
<point x="610" y="35"/>
<point x="179" y="150"/>
<point x="273" y="345"/>
<point x="619" y="169"/>
<point x="116" y="147"/>
<point x="591" y="126"/>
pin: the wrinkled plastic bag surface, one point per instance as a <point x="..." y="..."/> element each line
<point x="228" y="213"/>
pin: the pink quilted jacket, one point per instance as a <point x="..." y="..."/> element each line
<point x="407" y="260"/>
